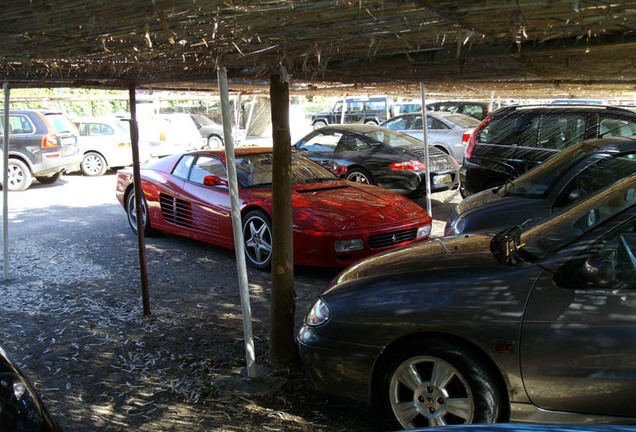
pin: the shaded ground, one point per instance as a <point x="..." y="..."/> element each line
<point x="71" y="317"/>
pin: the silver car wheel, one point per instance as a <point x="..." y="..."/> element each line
<point x="431" y="388"/>
<point x="258" y="240"/>
<point x="215" y="142"/>
<point x="358" y="177"/>
<point x="132" y="211"/>
<point x="93" y="164"/>
<point x="19" y="177"/>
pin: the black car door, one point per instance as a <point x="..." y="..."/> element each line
<point x="578" y="339"/>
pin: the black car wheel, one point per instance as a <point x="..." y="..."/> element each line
<point x="257" y="235"/>
<point x="360" y="175"/>
<point x="93" y="164"/>
<point x="319" y="124"/>
<point x="49" y="179"/>
<point x="215" y="142"/>
<point x="436" y="383"/>
<point x="132" y="215"/>
<point x="19" y="175"/>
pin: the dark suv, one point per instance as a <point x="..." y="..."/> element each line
<point x="514" y="139"/>
<point x="42" y="144"/>
<point x="372" y="110"/>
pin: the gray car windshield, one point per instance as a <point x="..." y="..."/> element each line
<point x="392" y="138"/>
<point x="255" y="170"/>
<point x="544" y="238"/>
<point x="537" y="182"/>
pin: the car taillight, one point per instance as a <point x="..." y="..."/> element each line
<point x="472" y="141"/>
<point x="411" y="165"/>
<point x="124" y="144"/>
<point x="49" y="141"/>
<point x="465" y="138"/>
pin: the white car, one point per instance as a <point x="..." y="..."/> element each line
<point x="183" y="130"/>
<point x="105" y="143"/>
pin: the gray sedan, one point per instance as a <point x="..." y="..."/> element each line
<point x="448" y="132"/>
<point x="536" y="323"/>
<point x="563" y="180"/>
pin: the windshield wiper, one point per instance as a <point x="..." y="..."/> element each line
<point x="258" y="185"/>
<point x="509" y="184"/>
<point x="318" y="180"/>
<point x="506" y="245"/>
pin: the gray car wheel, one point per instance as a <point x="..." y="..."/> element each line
<point x="319" y="124"/>
<point x="19" y="175"/>
<point x="215" y="142"/>
<point x="49" y="179"/>
<point x="93" y="164"/>
<point x="131" y="212"/>
<point x="257" y="235"/>
<point x="360" y="175"/>
<point x="439" y="385"/>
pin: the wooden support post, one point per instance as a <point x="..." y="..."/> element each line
<point x="283" y="297"/>
<point x="141" y="239"/>
<point x="5" y="182"/>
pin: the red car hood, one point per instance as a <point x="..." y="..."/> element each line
<point x="342" y="205"/>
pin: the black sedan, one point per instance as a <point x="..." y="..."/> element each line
<point x="536" y="323"/>
<point x="379" y="156"/>
<point x="563" y="180"/>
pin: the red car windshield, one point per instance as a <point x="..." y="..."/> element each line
<point x="255" y="170"/>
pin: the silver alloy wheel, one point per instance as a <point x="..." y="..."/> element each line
<point x="93" y="164"/>
<point x="358" y="177"/>
<point x="215" y="142"/>
<point x="430" y="388"/>
<point x="16" y="177"/>
<point x="132" y="211"/>
<point x="258" y="240"/>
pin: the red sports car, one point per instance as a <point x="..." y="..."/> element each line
<point x="336" y="222"/>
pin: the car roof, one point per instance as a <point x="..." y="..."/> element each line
<point x="238" y="151"/>
<point x="561" y="108"/>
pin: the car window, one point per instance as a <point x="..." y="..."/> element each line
<point x="61" y="123"/>
<point x="507" y="130"/>
<point x="473" y="110"/>
<point x="350" y="142"/>
<point x="20" y="124"/>
<point x="254" y="170"/>
<point x="355" y="106"/>
<point x="613" y="127"/>
<point x="433" y="123"/>
<point x="321" y="142"/>
<point x="207" y="166"/>
<point x="96" y="129"/>
<point x="560" y="130"/>
<point x="597" y="175"/>
<point x="182" y="168"/>
<point x="398" y="123"/>
<point x="451" y="108"/>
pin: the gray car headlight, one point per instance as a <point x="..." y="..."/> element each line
<point x="423" y="231"/>
<point x="319" y="314"/>
<point x="349" y="245"/>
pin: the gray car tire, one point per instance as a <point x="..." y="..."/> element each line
<point x="215" y="142"/>
<point x="319" y="124"/>
<point x="19" y="174"/>
<point x="360" y="175"/>
<point x="435" y="383"/>
<point x="131" y="212"/>
<point x="93" y="164"/>
<point x="257" y="237"/>
<point x="49" y="179"/>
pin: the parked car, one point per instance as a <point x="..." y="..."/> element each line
<point x="566" y="178"/>
<point x="404" y="107"/>
<point x="523" y="325"/>
<point x="183" y="130"/>
<point x="210" y="131"/>
<point x="372" y="110"/>
<point x="448" y="132"/>
<point x="514" y="139"/>
<point x="105" y="143"/>
<point x="159" y="136"/>
<point x="335" y="222"/>
<point x="42" y="144"/>
<point x="478" y="110"/>
<point x="379" y="156"/>
<point x="21" y="409"/>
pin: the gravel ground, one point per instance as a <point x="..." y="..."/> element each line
<point x="71" y="317"/>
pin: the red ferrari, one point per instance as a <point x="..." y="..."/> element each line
<point x="336" y="222"/>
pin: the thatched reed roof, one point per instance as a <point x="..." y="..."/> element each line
<point x="373" y="44"/>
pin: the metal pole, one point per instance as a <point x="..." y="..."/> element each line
<point x="429" y="208"/>
<point x="344" y="109"/>
<point x="5" y="183"/>
<point x="492" y="100"/>
<point x="237" y="225"/>
<point x="141" y="239"/>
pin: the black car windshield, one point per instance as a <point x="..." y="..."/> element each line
<point x="255" y="170"/>
<point x="542" y="239"/>
<point x="538" y="182"/>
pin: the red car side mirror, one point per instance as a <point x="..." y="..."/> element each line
<point x="212" y="180"/>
